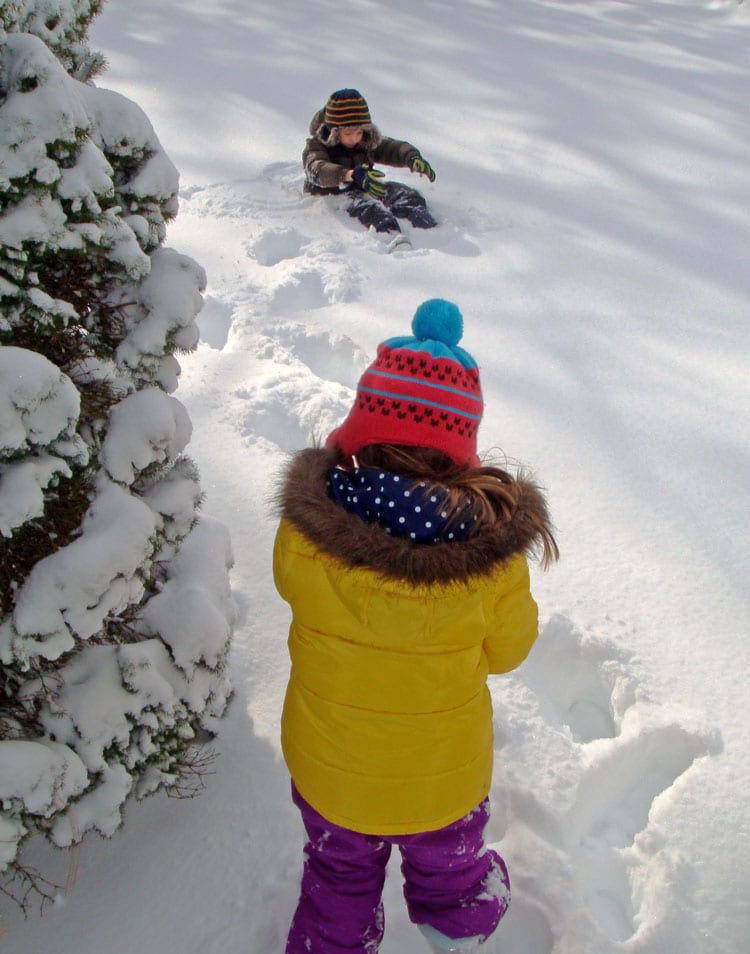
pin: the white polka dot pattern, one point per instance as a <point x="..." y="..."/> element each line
<point x="401" y="506"/>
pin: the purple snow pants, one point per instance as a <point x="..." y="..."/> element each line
<point x="451" y="882"/>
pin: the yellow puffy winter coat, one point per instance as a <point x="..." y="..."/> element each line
<point x="387" y="723"/>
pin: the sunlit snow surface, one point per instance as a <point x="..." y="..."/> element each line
<point x="593" y="182"/>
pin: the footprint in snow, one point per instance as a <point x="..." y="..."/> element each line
<point x="524" y="928"/>
<point x="328" y="355"/>
<point x="613" y="807"/>
<point x="580" y="683"/>
<point x="302" y="291"/>
<point x="293" y="410"/>
<point x="214" y="322"/>
<point x="313" y="392"/>
<point x="304" y="274"/>
<point x="579" y="808"/>
<point x="277" y="245"/>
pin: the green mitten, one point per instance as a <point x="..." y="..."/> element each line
<point x="422" y="166"/>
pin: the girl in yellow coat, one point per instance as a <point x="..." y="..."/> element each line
<point x="404" y="562"/>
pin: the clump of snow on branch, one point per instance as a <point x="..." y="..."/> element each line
<point x="38" y="778"/>
<point x="69" y="594"/>
<point x="61" y="25"/>
<point x="147" y="427"/>
<point x="39" y="408"/>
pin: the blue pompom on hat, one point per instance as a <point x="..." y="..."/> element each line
<point x="438" y="319"/>
<point x="438" y="326"/>
<point x="422" y="390"/>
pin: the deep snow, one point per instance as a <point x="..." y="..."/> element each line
<point x="593" y="188"/>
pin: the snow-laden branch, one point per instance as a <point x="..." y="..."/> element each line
<point x="148" y="427"/>
<point x="70" y="593"/>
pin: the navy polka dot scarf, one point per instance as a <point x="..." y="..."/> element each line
<point x="399" y="504"/>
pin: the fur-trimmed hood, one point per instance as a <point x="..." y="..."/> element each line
<point x="304" y="501"/>
<point x="329" y="135"/>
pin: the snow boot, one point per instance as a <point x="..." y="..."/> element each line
<point x="399" y="243"/>
<point x="469" y="945"/>
<point x="442" y="944"/>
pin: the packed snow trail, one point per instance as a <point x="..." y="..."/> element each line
<point x="584" y="758"/>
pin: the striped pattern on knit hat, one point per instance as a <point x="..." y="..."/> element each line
<point x="421" y="391"/>
<point x="347" y="107"/>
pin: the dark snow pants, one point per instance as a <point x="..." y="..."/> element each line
<point x="452" y="883"/>
<point x="399" y="202"/>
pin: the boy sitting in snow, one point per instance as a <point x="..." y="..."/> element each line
<point x="339" y="156"/>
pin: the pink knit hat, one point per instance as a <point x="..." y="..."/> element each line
<point x="421" y="391"/>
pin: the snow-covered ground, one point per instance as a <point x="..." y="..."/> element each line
<point x="593" y="192"/>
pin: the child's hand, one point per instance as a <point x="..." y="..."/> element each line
<point x="368" y="179"/>
<point x="422" y="166"/>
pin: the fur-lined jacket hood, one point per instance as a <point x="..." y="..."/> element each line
<point x="329" y="135"/>
<point x="305" y="502"/>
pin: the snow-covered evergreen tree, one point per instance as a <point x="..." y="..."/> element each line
<point x="115" y="611"/>
<point x="62" y="25"/>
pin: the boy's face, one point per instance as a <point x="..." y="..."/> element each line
<point x="350" y="136"/>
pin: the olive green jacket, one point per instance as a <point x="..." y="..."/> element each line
<point x="326" y="160"/>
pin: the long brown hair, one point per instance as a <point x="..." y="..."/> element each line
<point x="486" y="492"/>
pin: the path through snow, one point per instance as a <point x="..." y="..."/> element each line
<point x="585" y="760"/>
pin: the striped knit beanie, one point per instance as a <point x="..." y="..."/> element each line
<point x="347" y="107"/>
<point x="421" y="391"/>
